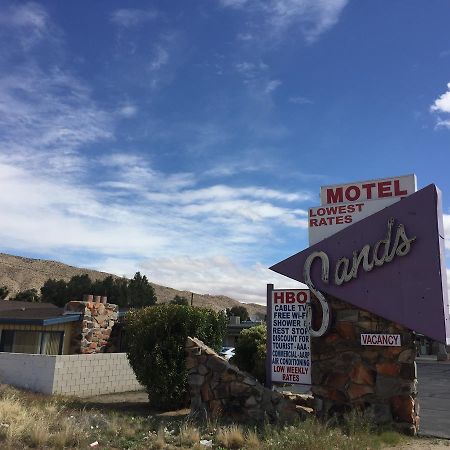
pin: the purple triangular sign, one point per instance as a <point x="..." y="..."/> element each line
<point x="408" y="283"/>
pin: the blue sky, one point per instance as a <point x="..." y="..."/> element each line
<point x="187" y="139"/>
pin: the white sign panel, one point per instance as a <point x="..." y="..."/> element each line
<point x="324" y="221"/>
<point x="385" y="340"/>
<point x="345" y="204"/>
<point x="361" y="191"/>
<point x="291" y="351"/>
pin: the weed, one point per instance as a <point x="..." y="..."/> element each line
<point x="230" y="437"/>
<point x="252" y="441"/>
<point x="189" y="435"/>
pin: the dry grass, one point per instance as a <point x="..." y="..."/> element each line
<point x="252" y="440"/>
<point x="189" y="435"/>
<point x="231" y="437"/>
<point x="160" y="442"/>
<point x="31" y="421"/>
<point x="34" y="425"/>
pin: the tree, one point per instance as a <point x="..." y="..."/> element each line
<point x="136" y="292"/>
<point x="113" y="288"/>
<point x="240" y="311"/>
<point x="78" y="286"/>
<point x="54" y="291"/>
<point x="4" y="291"/>
<point x="140" y="292"/>
<point x="250" y="351"/>
<point x="180" y="300"/>
<point x="156" y="337"/>
<point x="30" y="295"/>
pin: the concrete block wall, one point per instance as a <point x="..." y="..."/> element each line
<point x="77" y="375"/>
<point x="95" y="374"/>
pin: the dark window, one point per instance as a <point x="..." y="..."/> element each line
<point x="34" y="342"/>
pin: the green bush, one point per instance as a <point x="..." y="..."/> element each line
<point x="156" y="338"/>
<point x="250" y="352"/>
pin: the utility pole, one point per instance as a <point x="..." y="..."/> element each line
<point x="192" y="299"/>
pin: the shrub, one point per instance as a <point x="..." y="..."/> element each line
<point x="156" y="338"/>
<point x="240" y="311"/>
<point x="180" y="300"/>
<point x="250" y="352"/>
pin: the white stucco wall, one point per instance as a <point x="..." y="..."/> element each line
<point x="78" y="375"/>
<point x="34" y="372"/>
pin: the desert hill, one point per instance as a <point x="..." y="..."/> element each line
<point x="19" y="273"/>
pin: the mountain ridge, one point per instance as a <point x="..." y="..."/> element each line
<point x="20" y="273"/>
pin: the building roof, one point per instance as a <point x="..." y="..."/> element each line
<point x="34" y="313"/>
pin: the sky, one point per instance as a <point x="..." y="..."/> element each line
<point x="187" y="139"/>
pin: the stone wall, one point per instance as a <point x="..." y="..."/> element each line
<point x="218" y="388"/>
<point x="99" y="317"/>
<point x="347" y="375"/>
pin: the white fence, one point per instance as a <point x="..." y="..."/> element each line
<point x="78" y="375"/>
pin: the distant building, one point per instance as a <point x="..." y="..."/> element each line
<point x="234" y="328"/>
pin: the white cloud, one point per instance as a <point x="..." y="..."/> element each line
<point x="271" y="86"/>
<point x="132" y="17"/>
<point x="127" y="110"/>
<point x="234" y="3"/>
<point x="62" y="196"/>
<point x="314" y="17"/>
<point x="447" y="231"/>
<point x="29" y="21"/>
<point x="215" y="275"/>
<point x="160" y="58"/>
<point x="300" y="101"/>
<point x="442" y="106"/>
<point x="34" y="116"/>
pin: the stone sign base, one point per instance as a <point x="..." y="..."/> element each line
<point x="380" y="380"/>
<point x="218" y="388"/>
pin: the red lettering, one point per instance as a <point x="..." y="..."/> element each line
<point x="342" y="210"/>
<point x="384" y="189"/>
<point x="368" y="187"/>
<point x="311" y="213"/>
<point x="350" y="209"/>
<point x="313" y="222"/>
<point x="332" y="210"/>
<point x="359" y="206"/>
<point x="348" y="219"/>
<point x="339" y="220"/>
<point x="335" y="195"/>
<point x="397" y="190"/>
<point x="322" y="221"/>
<point x="302" y="297"/>
<point x="278" y="296"/>
<point x="290" y="297"/>
<point x="356" y="193"/>
<point x="321" y="211"/>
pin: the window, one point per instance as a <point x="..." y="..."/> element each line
<point x="35" y="342"/>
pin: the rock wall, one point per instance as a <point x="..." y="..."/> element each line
<point x="347" y="375"/>
<point x="99" y="317"/>
<point x="218" y="388"/>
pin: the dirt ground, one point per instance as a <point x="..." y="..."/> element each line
<point x="131" y="401"/>
<point x="423" y="444"/>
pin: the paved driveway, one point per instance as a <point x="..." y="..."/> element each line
<point x="434" y="398"/>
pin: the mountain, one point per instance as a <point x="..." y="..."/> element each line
<point x="19" y="273"/>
